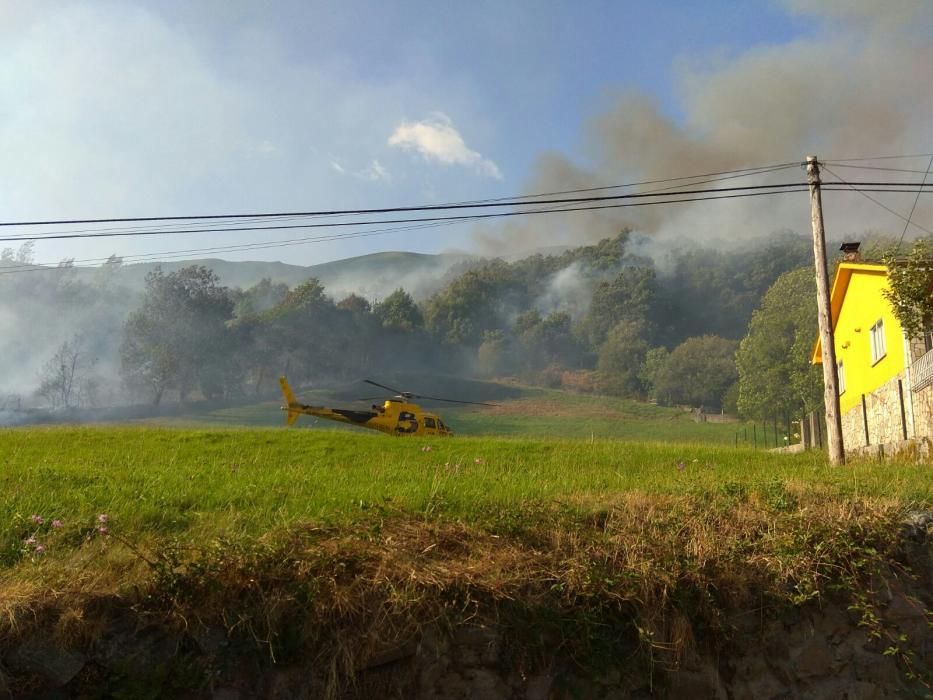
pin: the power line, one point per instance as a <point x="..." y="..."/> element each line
<point x="576" y="200"/>
<point x="428" y="223"/>
<point x="869" y="197"/>
<point x="875" y="167"/>
<point x="711" y="177"/>
<point x="856" y="160"/>
<point x="462" y="219"/>
<point x="911" y="214"/>
<point x="501" y="201"/>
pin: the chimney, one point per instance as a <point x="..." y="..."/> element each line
<point x="850" y="252"/>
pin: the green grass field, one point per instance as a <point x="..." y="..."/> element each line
<point x="531" y="413"/>
<point x="295" y="537"/>
<point x="161" y="481"/>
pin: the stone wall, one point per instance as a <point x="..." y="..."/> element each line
<point x="883" y="412"/>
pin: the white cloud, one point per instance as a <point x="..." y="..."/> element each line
<point x="436" y="139"/>
<point x="374" y="172"/>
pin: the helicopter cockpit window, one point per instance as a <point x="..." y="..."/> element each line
<point x="429" y="423"/>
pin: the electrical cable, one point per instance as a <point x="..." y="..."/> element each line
<point x="912" y="209"/>
<point x="575" y="200"/>
<point x="461" y="219"/>
<point x="501" y="201"/>
<point x="869" y="197"/>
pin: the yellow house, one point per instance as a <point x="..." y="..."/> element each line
<point x="875" y="361"/>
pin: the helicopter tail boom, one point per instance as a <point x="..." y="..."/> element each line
<point x="291" y="403"/>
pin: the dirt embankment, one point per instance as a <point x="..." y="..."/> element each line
<point x="608" y="608"/>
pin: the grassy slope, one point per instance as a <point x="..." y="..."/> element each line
<point x="533" y="413"/>
<point x="156" y="482"/>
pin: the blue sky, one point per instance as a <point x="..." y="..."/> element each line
<point x="173" y="107"/>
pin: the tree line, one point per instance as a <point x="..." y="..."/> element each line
<point x="698" y="327"/>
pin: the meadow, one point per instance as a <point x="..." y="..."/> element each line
<point x="527" y="412"/>
<point x="294" y="537"/>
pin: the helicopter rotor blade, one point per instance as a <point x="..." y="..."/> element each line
<point x="435" y="398"/>
<point x="383" y="386"/>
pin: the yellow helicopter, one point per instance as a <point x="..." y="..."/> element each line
<point x="397" y="416"/>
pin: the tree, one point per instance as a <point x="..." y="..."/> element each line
<point x="355" y="304"/>
<point x="477" y="301"/>
<point x="260" y="297"/>
<point x="698" y="372"/>
<point x="399" y="312"/>
<point x="627" y="298"/>
<point x="911" y="288"/>
<point x="621" y="357"/>
<point x="655" y="359"/>
<point x="65" y="380"/>
<point x="177" y="338"/>
<point x="494" y="355"/>
<point x="773" y="360"/>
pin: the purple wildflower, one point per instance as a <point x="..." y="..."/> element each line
<point x="57" y="524"/>
<point x="680" y="466"/>
<point x="37" y="519"/>
<point x="103" y="530"/>
<point x="30" y="542"/>
<point x="103" y="518"/>
<point x="40" y="548"/>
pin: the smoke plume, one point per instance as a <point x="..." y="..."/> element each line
<point x="858" y="87"/>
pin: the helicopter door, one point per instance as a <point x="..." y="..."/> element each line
<point x="430" y="427"/>
<point x="407" y="423"/>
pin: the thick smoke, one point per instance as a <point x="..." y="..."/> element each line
<point x="859" y="87"/>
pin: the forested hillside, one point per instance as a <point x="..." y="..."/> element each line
<point x="601" y="318"/>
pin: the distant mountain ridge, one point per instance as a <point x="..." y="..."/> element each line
<point x="372" y="275"/>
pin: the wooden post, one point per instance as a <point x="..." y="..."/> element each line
<point x="865" y="420"/>
<point x="900" y="399"/>
<point x="837" y="453"/>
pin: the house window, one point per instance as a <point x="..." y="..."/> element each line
<point x="841" y="372"/>
<point x="878" y="349"/>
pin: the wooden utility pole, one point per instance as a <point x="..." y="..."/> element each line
<point x="837" y="453"/>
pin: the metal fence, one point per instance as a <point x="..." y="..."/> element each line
<point x="921" y="372"/>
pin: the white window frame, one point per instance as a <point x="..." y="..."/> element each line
<point x="879" y="348"/>
<point x="841" y="377"/>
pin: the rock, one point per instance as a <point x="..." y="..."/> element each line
<point x="610" y="677"/>
<point x="431" y="672"/>
<point x="754" y="681"/>
<point x="484" y="683"/>
<point x="283" y="684"/>
<point x="539" y="687"/>
<point x="863" y="690"/>
<point x="210" y="639"/>
<point x="391" y="654"/>
<point x="477" y="646"/>
<point x="815" y="659"/>
<point x="47" y="659"/>
<point x="227" y="694"/>
<point x="918" y="525"/>
<point x="704" y="683"/>
<point x="904" y="608"/>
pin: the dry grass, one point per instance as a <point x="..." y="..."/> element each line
<point x="664" y="567"/>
